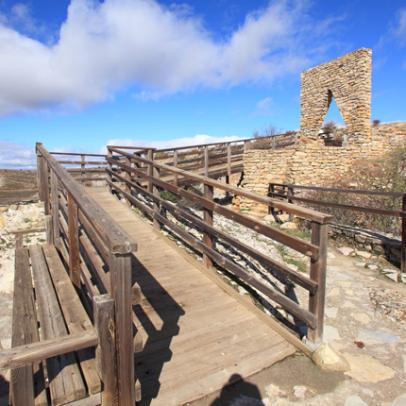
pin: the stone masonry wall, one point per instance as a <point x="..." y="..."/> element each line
<point x="348" y="80"/>
<point x="311" y="162"/>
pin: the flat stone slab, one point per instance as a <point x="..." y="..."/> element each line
<point x="372" y="337"/>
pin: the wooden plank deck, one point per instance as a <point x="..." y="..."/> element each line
<point x="196" y="336"/>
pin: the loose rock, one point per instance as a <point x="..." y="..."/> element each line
<point x="364" y="368"/>
<point x="289" y="226"/>
<point x="326" y="358"/>
<point x="354" y="400"/>
<point x="364" y="254"/>
<point x="346" y="251"/>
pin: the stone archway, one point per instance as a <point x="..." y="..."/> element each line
<point x="348" y="80"/>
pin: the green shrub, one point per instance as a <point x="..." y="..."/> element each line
<point x="169" y="196"/>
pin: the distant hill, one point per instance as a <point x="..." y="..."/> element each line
<point x="17" y="185"/>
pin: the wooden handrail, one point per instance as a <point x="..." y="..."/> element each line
<point x="337" y="190"/>
<point x="139" y="175"/>
<point x="299" y="211"/>
<point x="115" y="237"/>
<point x="282" y="269"/>
<point x="79" y="227"/>
<point x="76" y="153"/>
<point x="237" y="141"/>
<point x="297" y="244"/>
<point x="17" y="357"/>
<point x="290" y="196"/>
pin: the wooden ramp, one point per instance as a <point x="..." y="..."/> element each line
<point x="197" y="337"/>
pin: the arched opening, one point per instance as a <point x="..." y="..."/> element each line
<point x="333" y="123"/>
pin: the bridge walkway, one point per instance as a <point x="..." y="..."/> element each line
<point x="197" y="331"/>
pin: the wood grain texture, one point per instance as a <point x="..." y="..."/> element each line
<point x="105" y="326"/>
<point x="65" y="380"/>
<point x="24" y="318"/>
<point x="196" y="335"/>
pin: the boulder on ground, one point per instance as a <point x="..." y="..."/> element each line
<point x="326" y="358"/>
<point x="346" y="251"/>
<point x="289" y="226"/>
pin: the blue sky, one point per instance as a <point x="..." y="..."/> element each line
<point x="78" y="74"/>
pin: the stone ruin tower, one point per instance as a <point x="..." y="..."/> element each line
<point x="348" y="80"/>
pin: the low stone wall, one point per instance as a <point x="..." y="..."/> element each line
<point x="362" y="240"/>
<point x="313" y="162"/>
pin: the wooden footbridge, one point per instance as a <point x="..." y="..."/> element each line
<point x="111" y="311"/>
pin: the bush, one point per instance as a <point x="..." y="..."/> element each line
<point x="388" y="174"/>
<point x="166" y="195"/>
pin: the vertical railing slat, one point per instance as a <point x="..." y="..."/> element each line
<point x="104" y="320"/>
<point x="150" y="169"/>
<point x="121" y="282"/>
<point x="318" y="271"/>
<point x="207" y="214"/>
<point x="155" y="191"/>
<point x="55" y="207"/>
<point x="73" y="241"/>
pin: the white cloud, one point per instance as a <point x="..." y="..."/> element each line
<point x="105" y="46"/>
<point x="263" y="106"/>
<point x="400" y="28"/>
<point x="14" y="155"/>
<point x="176" y="142"/>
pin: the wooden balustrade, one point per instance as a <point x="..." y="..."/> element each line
<point x="315" y="249"/>
<point x="287" y="191"/>
<point x="95" y="249"/>
<point x="83" y="166"/>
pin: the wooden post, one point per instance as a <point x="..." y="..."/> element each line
<point x="155" y="190"/>
<point x="150" y="169"/>
<point x="272" y="195"/>
<point x="110" y="166"/>
<point x="40" y="179"/>
<point x="290" y="195"/>
<point x="207" y="214"/>
<point x="43" y="182"/>
<point x="228" y="163"/>
<point x="127" y="176"/>
<point x="175" y="164"/>
<point x="73" y="238"/>
<point x="49" y="229"/>
<point x="55" y="207"/>
<point x="403" y="242"/>
<point x="82" y="167"/>
<point x="121" y="282"/>
<point x="318" y="269"/>
<point x="104" y="321"/>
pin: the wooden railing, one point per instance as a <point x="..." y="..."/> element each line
<point x="83" y="166"/>
<point x="290" y="193"/>
<point x="138" y="179"/>
<point x="99" y="256"/>
<point x="224" y="158"/>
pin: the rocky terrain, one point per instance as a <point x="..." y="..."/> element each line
<point x="12" y="218"/>
<point x="365" y="329"/>
<point x="365" y="322"/>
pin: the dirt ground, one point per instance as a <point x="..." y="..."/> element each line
<point x="17" y="186"/>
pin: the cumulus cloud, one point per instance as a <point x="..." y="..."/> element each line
<point x="14" y="155"/>
<point x="105" y="46"/>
